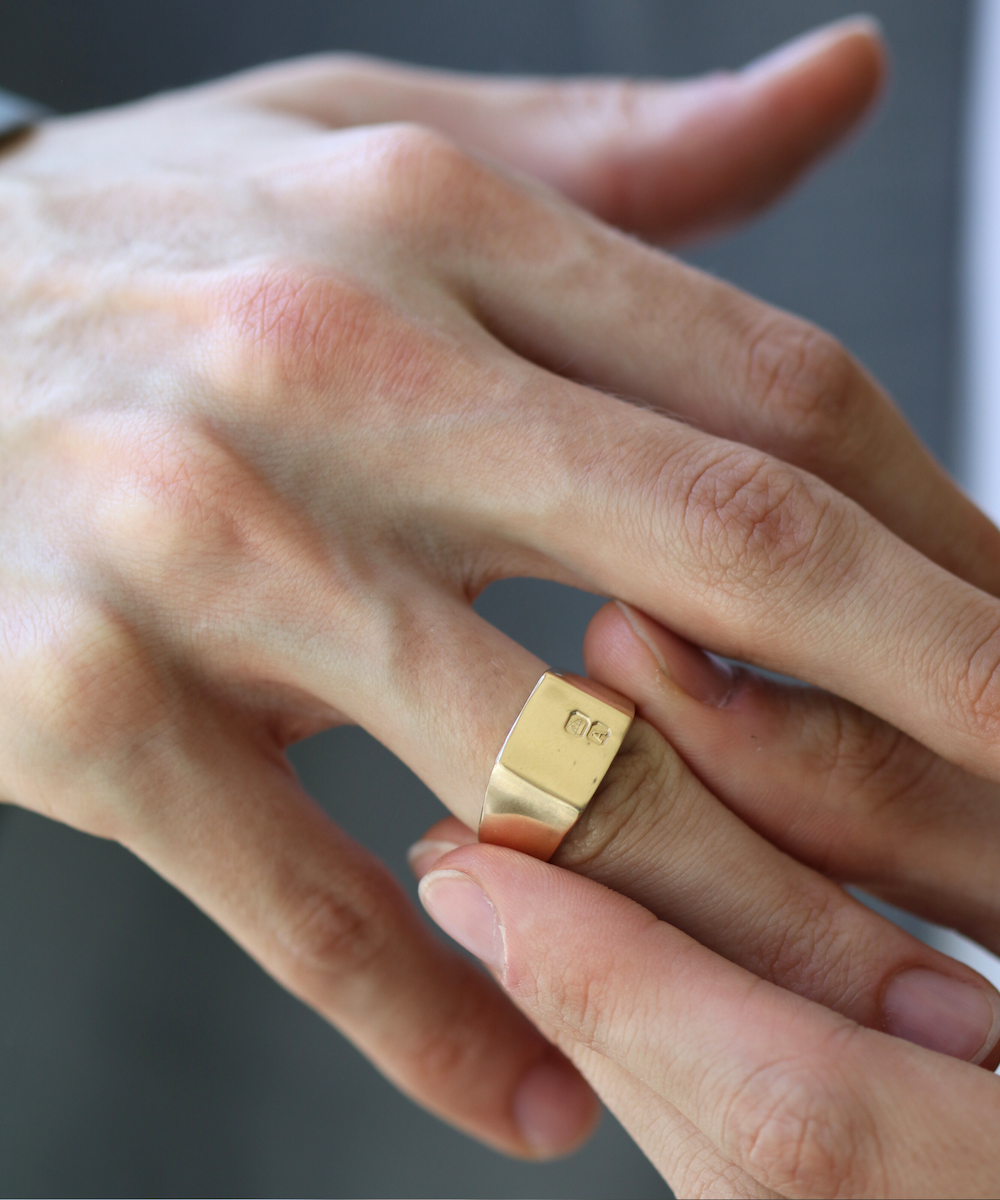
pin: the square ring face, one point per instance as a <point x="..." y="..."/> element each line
<point x="564" y="740"/>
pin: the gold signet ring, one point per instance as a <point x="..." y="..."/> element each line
<point x="551" y="763"/>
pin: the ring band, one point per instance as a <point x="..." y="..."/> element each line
<point x="551" y="763"/>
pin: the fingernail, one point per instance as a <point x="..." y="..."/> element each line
<point x="463" y="911"/>
<point x="553" y="1107"/>
<point x="941" y="1013"/>
<point x="692" y="670"/>
<point x="424" y="854"/>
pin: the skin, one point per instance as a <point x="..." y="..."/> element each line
<point x="730" y="1087"/>
<point x="285" y="383"/>
<point x="831" y="785"/>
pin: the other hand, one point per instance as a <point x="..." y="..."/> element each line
<point x="731" y="1085"/>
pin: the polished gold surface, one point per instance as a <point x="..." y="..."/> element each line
<point x="557" y="752"/>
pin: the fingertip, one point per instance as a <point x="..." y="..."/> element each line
<point x="616" y="654"/>
<point x="991" y="1060"/>
<point x="554" y="1108"/>
<point x="628" y="650"/>
<point x="819" y="86"/>
<point x="424" y="854"/>
<point x="955" y="1016"/>
<point x="860" y="49"/>
<point x="854" y="46"/>
<point x="605" y="633"/>
<point x="618" y="651"/>
<point x="439" y="840"/>
<point x="752" y="133"/>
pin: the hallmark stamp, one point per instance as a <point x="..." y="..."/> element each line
<point x="578" y="724"/>
<point x="598" y="733"/>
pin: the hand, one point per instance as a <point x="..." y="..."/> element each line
<point x="833" y="786"/>
<point x="280" y="396"/>
<point x="732" y="1087"/>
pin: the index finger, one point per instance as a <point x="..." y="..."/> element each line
<point x="803" y="1100"/>
<point x="667" y="158"/>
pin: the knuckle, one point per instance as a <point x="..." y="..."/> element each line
<point x="582" y="1006"/>
<point x="415" y="179"/>
<point x="82" y="674"/>
<point x="812" y="945"/>
<point x="285" y="324"/>
<point x="191" y="501"/>
<point x="338" y="933"/>
<point x="802" y="380"/>
<point x="203" y="541"/>
<point x="86" y="707"/>
<point x="754" y="521"/>
<point x="972" y="686"/>
<point x="873" y="762"/>
<point x="446" y="1050"/>
<point x="611" y="108"/>
<point x="612" y="122"/>
<point x="285" y="333"/>
<point x="610" y="116"/>
<point x="852" y="744"/>
<point x="800" y="1129"/>
<point x="623" y="102"/>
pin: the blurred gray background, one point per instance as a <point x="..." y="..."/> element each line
<point x="141" y="1053"/>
